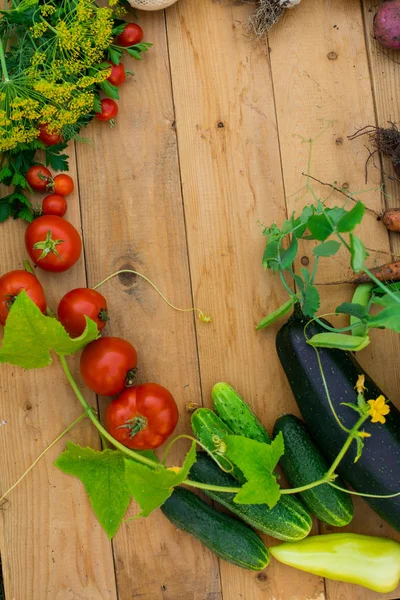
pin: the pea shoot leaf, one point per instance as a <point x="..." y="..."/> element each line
<point x="328" y="248"/>
<point x="257" y="462"/>
<point x="289" y="254"/>
<point x="358" y="253"/>
<point x="103" y="475"/>
<point x="388" y="318"/>
<point x="353" y="309"/>
<point x="352" y="218"/>
<point x="384" y="300"/>
<point x="319" y="227"/>
<point x="29" y="336"/>
<point x="311" y="300"/>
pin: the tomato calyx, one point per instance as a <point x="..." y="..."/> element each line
<point x="48" y="245"/>
<point x="134" y="425"/>
<point x="9" y="301"/>
<point x="130" y="378"/>
<point x="103" y="315"/>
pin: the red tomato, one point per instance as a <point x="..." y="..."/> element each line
<point x="109" y="110"/>
<point x="108" y="365"/>
<point x="142" y="417"/>
<point x="50" y="139"/>
<point x="117" y="76"/>
<point x="132" y="35"/>
<point x="38" y="178"/>
<point x="54" y="205"/>
<point x="62" y="184"/>
<point x="53" y="243"/>
<point x="12" y="283"/>
<point x="80" y="302"/>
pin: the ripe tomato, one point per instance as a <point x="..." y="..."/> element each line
<point x="12" y="283"/>
<point x="108" y="365"/>
<point x="62" y="185"/>
<point x="109" y="110"/>
<point x="142" y="417"/>
<point x="38" y="178"/>
<point x="53" y="243"/>
<point x="50" y="139"/>
<point x="80" y="302"/>
<point x="131" y="35"/>
<point x="54" y="205"/>
<point x="117" y="76"/>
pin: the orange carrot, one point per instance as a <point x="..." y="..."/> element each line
<point x="388" y="272"/>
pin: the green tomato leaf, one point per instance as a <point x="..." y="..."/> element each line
<point x="358" y="253"/>
<point x="103" y="475"/>
<point x="353" y="309"/>
<point x="320" y="227"/>
<point x="311" y="300"/>
<point x="388" y="318"/>
<point x="29" y="336"/>
<point x="277" y="314"/>
<point x="353" y="343"/>
<point x="257" y="462"/>
<point x="352" y="218"/>
<point x="289" y="254"/>
<point x="328" y="248"/>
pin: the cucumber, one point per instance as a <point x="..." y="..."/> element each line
<point x="237" y="414"/>
<point x="288" y="520"/>
<point x="378" y="469"/>
<point x="228" y="538"/>
<point x="303" y="463"/>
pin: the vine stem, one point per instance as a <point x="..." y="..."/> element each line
<point x="201" y="315"/>
<point x="58" y="438"/>
<point x="337" y="487"/>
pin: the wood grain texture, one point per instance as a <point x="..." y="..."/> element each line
<point x="52" y="546"/>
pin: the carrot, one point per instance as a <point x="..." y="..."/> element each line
<point x="391" y="219"/>
<point x="387" y="272"/>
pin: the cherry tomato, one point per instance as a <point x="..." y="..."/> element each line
<point x="131" y="35"/>
<point x="12" y="283"/>
<point x="109" y="110"/>
<point x="53" y="243"/>
<point x="117" y="76"/>
<point x="50" y="139"/>
<point x="38" y="178"/>
<point x="80" y="302"/>
<point x="142" y="417"/>
<point x="108" y="365"/>
<point x="54" y="205"/>
<point x="62" y="184"/>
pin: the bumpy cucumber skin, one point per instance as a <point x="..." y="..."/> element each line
<point x="228" y="538"/>
<point x="287" y="521"/>
<point x="302" y="464"/>
<point x="236" y="413"/>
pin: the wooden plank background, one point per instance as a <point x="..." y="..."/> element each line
<point x="209" y="143"/>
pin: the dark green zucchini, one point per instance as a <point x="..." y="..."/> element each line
<point x="288" y="520"/>
<point x="378" y="469"/>
<point x="303" y="463"/>
<point x="228" y="538"/>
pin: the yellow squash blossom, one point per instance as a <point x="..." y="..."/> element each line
<point x="378" y="410"/>
<point x="360" y="385"/>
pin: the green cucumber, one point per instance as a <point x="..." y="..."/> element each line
<point x="237" y="414"/>
<point x="228" y="538"/>
<point x="303" y="463"/>
<point x="288" y="520"/>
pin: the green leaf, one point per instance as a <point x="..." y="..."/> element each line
<point x="270" y="257"/>
<point x="306" y="213"/>
<point x="353" y="343"/>
<point x="311" y="300"/>
<point x="55" y="157"/>
<point x="277" y="314"/>
<point x="386" y="300"/>
<point x="360" y="448"/>
<point x="358" y="253"/>
<point x="110" y="90"/>
<point x="351" y="218"/>
<point x="115" y="55"/>
<point x="4" y="173"/>
<point x="29" y="336"/>
<point x="326" y="248"/>
<point x="103" y="475"/>
<point x="289" y="254"/>
<point x="5" y="211"/>
<point x="388" y="318"/>
<point x="257" y="462"/>
<point x="119" y="29"/>
<point x="152" y="487"/>
<point x="335" y="214"/>
<point x="25" y="214"/>
<point x="353" y="309"/>
<point x="320" y="227"/>
<point x="134" y="52"/>
<point x="19" y="179"/>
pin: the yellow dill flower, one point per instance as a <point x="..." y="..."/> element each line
<point x="39" y="29"/>
<point x="378" y="409"/>
<point x="47" y="9"/>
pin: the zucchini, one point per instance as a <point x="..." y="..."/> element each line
<point x="378" y="469"/>
<point x="288" y="520"/>
<point x="303" y="463"/>
<point x="237" y="414"/>
<point x="228" y="538"/>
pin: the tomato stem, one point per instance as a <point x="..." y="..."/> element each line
<point x="130" y="378"/>
<point x="48" y="246"/>
<point x="28" y="267"/>
<point x="134" y="425"/>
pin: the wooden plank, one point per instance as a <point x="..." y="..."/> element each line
<point x="133" y="218"/>
<point x="231" y="179"/>
<point x="52" y="547"/>
<point x="322" y="86"/>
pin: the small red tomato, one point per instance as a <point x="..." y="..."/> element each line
<point x="12" y="283"/>
<point x="118" y="75"/>
<point x="38" y="178"/>
<point x="131" y="35"/>
<point x="50" y="139"/>
<point x="63" y="185"/>
<point x="109" y="110"/>
<point x="108" y="365"/>
<point x="53" y="243"/>
<point x="54" y="205"/>
<point x="142" y="417"/>
<point x="77" y="304"/>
